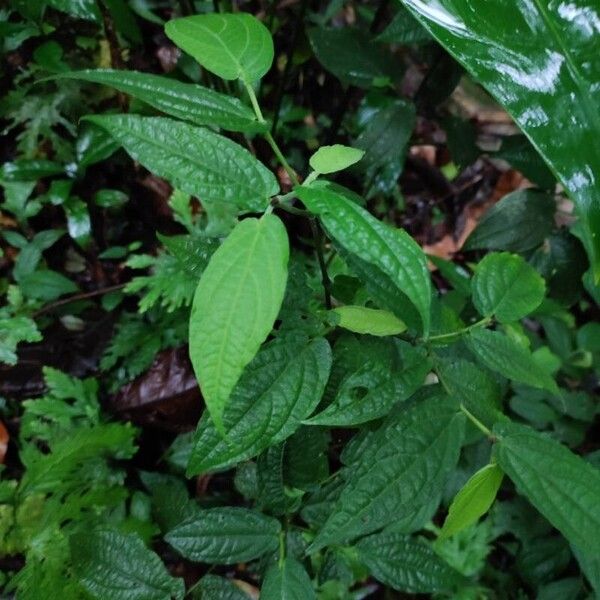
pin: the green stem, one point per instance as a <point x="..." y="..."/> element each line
<point x="318" y="238"/>
<point x="477" y="422"/>
<point x="268" y="136"/>
<point x="443" y="336"/>
<point x="281" y="549"/>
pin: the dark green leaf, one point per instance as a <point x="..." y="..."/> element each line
<point x="225" y="536"/>
<point x="518" y="151"/>
<point x="213" y="587"/>
<point x="278" y="389"/>
<point x="112" y="565"/>
<point x="195" y="160"/>
<point x="46" y="285"/>
<point x="404" y="29"/>
<point x="562" y="486"/>
<point x="287" y="581"/>
<point x="406" y="564"/>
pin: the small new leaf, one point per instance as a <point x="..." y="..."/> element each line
<point x="360" y="319"/>
<point x="329" y="159"/>
<point x="473" y="500"/>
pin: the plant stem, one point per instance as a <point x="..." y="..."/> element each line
<point x="485" y="321"/>
<point x="316" y="232"/>
<point x="281" y="548"/>
<point x="477" y="422"/>
<point x="268" y="136"/>
<point x="77" y="297"/>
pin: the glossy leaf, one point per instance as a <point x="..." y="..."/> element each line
<point x="502" y="354"/>
<point x="213" y="587"/>
<point x="473" y="500"/>
<point x="505" y="286"/>
<point x="561" y="485"/>
<point x="391" y="250"/>
<point x="404" y="29"/>
<point x="407" y="459"/>
<point x="406" y="564"/>
<point x="225" y="536"/>
<point x="195" y="103"/>
<point x="329" y="159"/>
<point x="231" y="46"/>
<point x="541" y="65"/>
<point x="235" y="306"/>
<point x="519" y="222"/>
<point x="277" y="390"/>
<point x="193" y="159"/>
<point x="287" y="581"/>
<point x="109" y="564"/>
<point x="360" y="319"/>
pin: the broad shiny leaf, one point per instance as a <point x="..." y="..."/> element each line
<point x="560" y="484"/>
<point x="391" y="250"/>
<point x="231" y="46"/>
<point x="225" y="536"/>
<point x="187" y="101"/>
<point x="288" y="581"/>
<point x="505" y="286"/>
<point x="193" y="159"/>
<point x="542" y="64"/>
<point x="361" y="319"/>
<point x="235" y="306"/>
<point x="406" y="564"/>
<point x="406" y="461"/>
<point x="277" y="390"/>
<point x="473" y="500"/>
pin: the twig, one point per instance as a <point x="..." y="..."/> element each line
<point x="77" y="297"/>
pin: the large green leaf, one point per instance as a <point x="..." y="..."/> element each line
<point x="287" y="581"/>
<point x="361" y="319"/>
<point x="505" y="286"/>
<point x="540" y="59"/>
<point x="110" y="564"/>
<point x="187" y="101"/>
<point x="407" y="565"/>
<point x="406" y="461"/>
<point x="193" y="159"/>
<point x="560" y="484"/>
<point x="231" y="46"/>
<point x="391" y="250"/>
<point x="235" y="306"/>
<point x="473" y="500"/>
<point x="278" y="389"/>
<point x="502" y="354"/>
<point x="225" y="536"/>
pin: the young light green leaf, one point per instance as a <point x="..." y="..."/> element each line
<point x="519" y="222"/>
<point x="406" y="564"/>
<point x="193" y="159"/>
<point x="505" y="286"/>
<point x="110" y="564"/>
<point x="277" y="390"/>
<point x="329" y="159"/>
<point x="235" y="306"/>
<point x="187" y="101"/>
<point x="560" y="484"/>
<point x="505" y="356"/>
<point x="407" y="460"/>
<point x="473" y="500"/>
<point x="360" y="319"/>
<point x="231" y="46"/>
<point x="391" y="250"/>
<point x="225" y="536"/>
<point x="288" y="581"/>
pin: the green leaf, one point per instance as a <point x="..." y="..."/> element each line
<point x="213" y="587"/>
<point x="505" y="286"/>
<point x="46" y="285"/>
<point x="406" y="461"/>
<point x="352" y="55"/>
<point x="235" y="306"/>
<point x="472" y="387"/>
<point x="190" y="102"/>
<point x="391" y="250"/>
<point x="225" y="536"/>
<point x="505" y="356"/>
<point x="110" y="564"/>
<point x="406" y="564"/>
<point x="539" y="64"/>
<point x="519" y="222"/>
<point x="12" y="331"/>
<point x="367" y="320"/>
<point x="82" y="9"/>
<point x="473" y="500"/>
<point x="560" y="484"/>
<point x="287" y="581"/>
<point x="520" y="154"/>
<point x="404" y="29"/>
<point x="193" y="159"/>
<point x="329" y="159"/>
<point x="277" y="390"/>
<point x="231" y="46"/>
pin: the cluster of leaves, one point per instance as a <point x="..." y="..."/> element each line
<point x="360" y="420"/>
